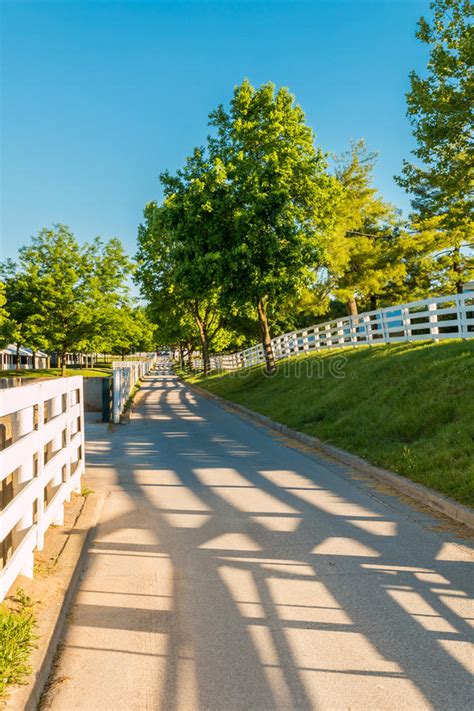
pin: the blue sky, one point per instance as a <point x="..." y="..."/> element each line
<point x="99" y="97"/>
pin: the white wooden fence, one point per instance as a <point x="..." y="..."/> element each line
<point x="437" y="318"/>
<point x="41" y="464"/>
<point x="125" y="375"/>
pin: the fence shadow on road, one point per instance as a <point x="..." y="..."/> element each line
<point x="274" y="579"/>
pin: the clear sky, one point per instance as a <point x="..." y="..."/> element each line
<point x="98" y="97"/>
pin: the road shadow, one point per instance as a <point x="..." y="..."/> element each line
<point x="289" y="584"/>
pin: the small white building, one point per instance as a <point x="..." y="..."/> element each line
<point x="8" y="358"/>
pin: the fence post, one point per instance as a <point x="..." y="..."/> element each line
<point x="433" y="319"/>
<point x="55" y="409"/>
<point x="81" y="451"/>
<point x="406" y="323"/>
<point x="22" y="424"/>
<point x="368" y="329"/>
<point x="327" y="332"/>
<point x="340" y="333"/>
<point x="462" y="315"/>
<point x="40" y="475"/>
<point x="352" y="331"/>
<point x="117" y="394"/>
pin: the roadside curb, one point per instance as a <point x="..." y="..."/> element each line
<point x="422" y="494"/>
<point x="66" y="578"/>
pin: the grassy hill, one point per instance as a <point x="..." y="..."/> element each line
<point x="408" y="408"/>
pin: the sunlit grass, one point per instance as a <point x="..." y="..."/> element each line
<point x="101" y="372"/>
<point x="408" y="407"/>
<point x="17" y="639"/>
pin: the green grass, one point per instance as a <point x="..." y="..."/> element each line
<point x="17" y="639"/>
<point x="408" y="408"/>
<point x="102" y="372"/>
<point x="131" y="397"/>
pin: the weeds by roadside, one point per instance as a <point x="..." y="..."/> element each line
<point x="17" y="639"/>
<point x="129" y="403"/>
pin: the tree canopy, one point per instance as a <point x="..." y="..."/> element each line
<point x="63" y="297"/>
<point x="441" y="112"/>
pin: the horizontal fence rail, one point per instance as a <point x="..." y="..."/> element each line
<point x="125" y="376"/>
<point x="41" y="464"/>
<point x="437" y="318"/>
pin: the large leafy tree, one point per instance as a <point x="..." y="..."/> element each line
<point x="130" y="330"/>
<point x="23" y="295"/>
<point x="279" y="196"/>
<point x="109" y="270"/>
<point x="67" y="298"/>
<point x="366" y="247"/>
<point x="440" y="110"/>
<point x="55" y="267"/>
<point x="174" y="271"/>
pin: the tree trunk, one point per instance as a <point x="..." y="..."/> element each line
<point x="33" y="365"/>
<point x="63" y="364"/>
<point x="457" y="269"/>
<point x="270" y="366"/>
<point x="373" y="302"/>
<point x="351" y="306"/>
<point x="181" y="355"/>
<point x="203" y="335"/>
<point x="17" y="362"/>
<point x="190" y="356"/>
<point x="206" y="361"/>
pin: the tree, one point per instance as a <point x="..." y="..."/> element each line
<point x="64" y="297"/>
<point x="23" y="295"/>
<point x="107" y="290"/>
<point x="279" y="196"/>
<point x="196" y="212"/>
<point x="365" y="250"/>
<point x="174" y="272"/>
<point x="440" y="110"/>
<point x="4" y="317"/>
<point x="130" y="330"/>
<point x="55" y="269"/>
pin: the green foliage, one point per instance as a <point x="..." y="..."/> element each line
<point x="129" y="329"/>
<point x="440" y="109"/>
<point x="5" y="323"/>
<point x="17" y="639"/>
<point x="23" y="296"/>
<point x="174" y="275"/>
<point x="407" y="407"/>
<point x="107" y="294"/>
<point x="280" y="197"/>
<point x="47" y="291"/>
<point x="366" y="249"/>
<point x="64" y="298"/>
<point x="240" y="228"/>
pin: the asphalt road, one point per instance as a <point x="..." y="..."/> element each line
<point x="232" y="571"/>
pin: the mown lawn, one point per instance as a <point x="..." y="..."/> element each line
<point x="101" y="372"/>
<point x="409" y="407"/>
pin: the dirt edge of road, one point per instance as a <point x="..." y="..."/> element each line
<point x="57" y="591"/>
